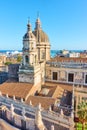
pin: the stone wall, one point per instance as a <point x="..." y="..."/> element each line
<point x="13" y="71"/>
<point x="80" y="94"/>
<point x="79" y="75"/>
<point x="3" y="77"/>
<point x="17" y="120"/>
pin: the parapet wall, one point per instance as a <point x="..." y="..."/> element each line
<point x="26" y="118"/>
<point x="17" y="120"/>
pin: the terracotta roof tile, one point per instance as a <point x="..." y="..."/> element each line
<point x="20" y="90"/>
<point x="45" y="101"/>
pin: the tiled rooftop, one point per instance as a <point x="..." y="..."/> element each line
<point x="67" y="87"/>
<point x="20" y="90"/>
<point x="45" y="101"/>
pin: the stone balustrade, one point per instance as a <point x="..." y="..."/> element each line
<point x="58" y="118"/>
<point x="67" y="65"/>
<point x="80" y="88"/>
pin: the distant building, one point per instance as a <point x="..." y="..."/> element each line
<point x="74" y="54"/>
<point x="3" y="69"/>
<point x="2" y="59"/>
<point x="65" y="52"/>
<point x="83" y="54"/>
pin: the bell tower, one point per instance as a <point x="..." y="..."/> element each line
<point x="36" y="51"/>
<point x="29" y="70"/>
<point x="29" y="48"/>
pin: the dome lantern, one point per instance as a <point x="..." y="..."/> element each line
<point x="29" y="26"/>
<point x="38" y="24"/>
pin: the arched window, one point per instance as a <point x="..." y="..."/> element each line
<point x="27" y="59"/>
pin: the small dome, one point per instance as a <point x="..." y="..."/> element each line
<point x="29" y="35"/>
<point x="41" y="36"/>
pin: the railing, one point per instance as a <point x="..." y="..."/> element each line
<point x="47" y="115"/>
<point x="80" y="89"/>
<point x="62" y="81"/>
<point x="67" y="65"/>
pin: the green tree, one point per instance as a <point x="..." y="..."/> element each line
<point x="19" y="58"/>
<point x="82" y="113"/>
<point x="8" y="63"/>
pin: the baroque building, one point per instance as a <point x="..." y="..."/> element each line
<point x="67" y="70"/>
<point x="58" y="83"/>
<point x="36" y="51"/>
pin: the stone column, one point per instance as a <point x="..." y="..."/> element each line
<point x="22" y="100"/>
<point x="67" y="77"/>
<point x="61" y="112"/>
<point x="52" y="127"/>
<point x="23" y="113"/>
<point x="77" y="96"/>
<point x="50" y="108"/>
<point x="12" y="109"/>
<point x="74" y="77"/>
<point x="30" y="103"/>
<point x="38" y="117"/>
<point x="73" y="94"/>
<point x="0" y="93"/>
<point x="7" y="95"/>
<point x="72" y="115"/>
<point x="14" y="97"/>
<point x="12" y="113"/>
<point x="71" y="120"/>
<point x="23" y="121"/>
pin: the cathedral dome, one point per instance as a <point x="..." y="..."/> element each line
<point x="40" y="35"/>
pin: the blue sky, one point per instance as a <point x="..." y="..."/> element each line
<point x="65" y="22"/>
